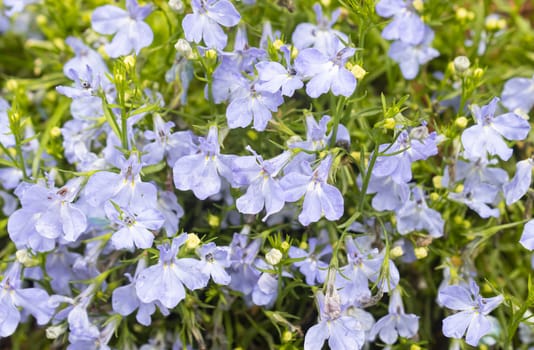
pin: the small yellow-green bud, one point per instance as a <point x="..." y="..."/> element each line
<point x="418" y="5"/>
<point x="390" y="123"/>
<point x="434" y="196"/>
<point x="192" y="241"/>
<point x="285" y="246"/>
<point x="213" y="220"/>
<point x="277" y="44"/>
<point x="287" y="336"/>
<point x="294" y="52"/>
<point x="211" y="54"/>
<point x="462" y="14"/>
<point x="415" y="347"/>
<point x="358" y="71"/>
<point x="41" y="20"/>
<point x="12" y="85"/>
<point x="55" y="131"/>
<point x="25" y="258"/>
<point x="437" y="181"/>
<point x="396" y="252"/>
<point x="59" y="43"/>
<point x="461" y="122"/>
<point x="129" y="61"/>
<point x="459" y="188"/>
<point x="326" y="3"/>
<point x="274" y="256"/>
<point x="421" y="252"/>
<point x="459" y="220"/>
<point x="303" y="245"/>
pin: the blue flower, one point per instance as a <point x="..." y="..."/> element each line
<point x="311" y="265"/>
<point x="134" y="225"/>
<point x="410" y="57"/>
<point x="274" y="77"/>
<point x="396" y="322"/>
<point x="416" y="215"/>
<point x="84" y="57"/>
<point x="521" y="181"/>
<point x="320" y="198"/>
<point x="124" y="300"/>
<point x="343" y="332"/>
<point x="406" y="25"/>
<point x="131" y="33"/>
<point x="264" y="189"/>
<point x="390" y="195"/>
<point x="477" y="197"/>
<point x="205" y="21"/>
<point x="321" y="36"/>
<point x="527" y="237"/>
<point x="518" y="93"/>
<point x="242" y="256"/>
<point x="164" y="282"/>
<point x="326" y="71"/>
<point x="253" y="105"/>
<point x="473" y="315"/>
<point x="12" y="297"/>
<point x="213" y="262"/>
<point x="487" y="135"/>
<point x="316" y="137"/>
<point x="201" y="171"/>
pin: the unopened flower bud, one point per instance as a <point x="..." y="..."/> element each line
<point x="129" y="61"/>
<point x="461" y="122"/>
<point x="287" y="336"/>
<point x="213" y="220"/>
<point x="192" y="241"/>
<point x="461" y="64"/>
<point x="277" y="44"/>
<point x="421" y="252"/>
<point x="478" y="73"/>
<point x="285" y="246"/>
<point x="437" y="181"/>
<point x="434" y="196"/>
<point x="358" y="71"/>
<point x="211" y="54"/>
<point x="396" y="252"/>
<point x="53" y="332"/>
<point x="273" y="257"/>
<point x="55" y="131"/>
<point x="389" y="123"/>
<point x="183" y="48"/>
<point x="176" y="5"/>
<point x="25" y="258"/>
<point x="12" y="85"/>
<point x="418" y="5"/>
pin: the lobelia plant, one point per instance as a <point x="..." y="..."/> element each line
<point x="219" y="174"/>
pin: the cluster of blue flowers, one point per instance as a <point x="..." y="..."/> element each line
<point x="96" y="216"/>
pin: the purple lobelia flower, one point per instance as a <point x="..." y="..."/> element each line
<point x="317" y="137"/>
<point x="206" y="20"/>
<point x="201" y="171"/>
<point x="213" y="262"/>
<point x="320" y="198"/>
<point x="164" y="282"/>
<point x="171" y="210"/>
<point x="410" y="57"/>
<point x="131" y="33"/>
<point x="165" y="143"/>
<point x="274" y="77"/>
<point x="396" y="322"/>
<point x="343" y="331"/>
<point x="478" y="197"/>
<point x="12" y="297"/>
<point x="473" y="315"/>
<point x="418" y="144"/>
<point x="311" y="265"/>
<point x="6" y="137"/>
<point x="406" y="25"/>
<point x="390" y="195"/>
<point x="521" y="181"/>
<point x="253" y="105"/>
<point x="125" y="188"/>
<point x="125" y="300"/>
<point x="84" y="57"/>
<point x="326" y="71"/>
<point x="320" y="36"/>
<point x="134" y="225"/>
<point x="242" y="256"/>
<point x="416" y="215"/>
<point x="487" y="135"/>
<point x="518" y="93"/>
<point x="264" y="189"/>
<point x="527" y="237"/>
<point x="47" y="215"/>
